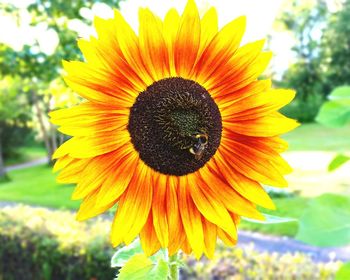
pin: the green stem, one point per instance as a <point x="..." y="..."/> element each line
<point x="174" y="267"/>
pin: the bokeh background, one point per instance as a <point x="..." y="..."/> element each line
<point x="308" y="235"/>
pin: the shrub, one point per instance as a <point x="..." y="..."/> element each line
<point x="305" y="111"/>
<point x="41" y="244"/>
<point x="38" y="243"/>
<point x="237" y="263"/>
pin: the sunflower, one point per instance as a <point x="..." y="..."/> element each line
<point x="176" y="129"/>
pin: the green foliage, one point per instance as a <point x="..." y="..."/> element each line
<point x="306" y="76"/>
<point x="141" y="267"/>
<point x="14" y="118"/>
<point x="344" y="272"/>
<point x="326" y="222"/>
<point x="122" y="256"/>
<point x="338" y="161"/>
<point x="37" y="243"/>
<point x="322" y="53"/>
<point x="336" y="111"/>
<point x="303" y="109"/>
<point x="336" y="42"/>
<point x="134" y="264"/>
<point x="247" y="263"/>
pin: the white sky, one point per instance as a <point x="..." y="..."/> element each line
<point x="260" y="17"/>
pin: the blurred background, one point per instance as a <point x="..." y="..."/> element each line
<point x="39" y="236"/>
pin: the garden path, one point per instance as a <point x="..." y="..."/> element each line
<point x="26" y="164"/>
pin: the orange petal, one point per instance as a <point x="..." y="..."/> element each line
<point x="229" y="197"/>
<point x="88" y="208"/>
<point x="246" y="187"/>
<point x="133" y="208"/>
<point x="176" y="232"/>
<point x="220" y="49"/>
<point x="98" y="85"/>
<point x="62" y="163"/>
<point x="227" y="239"/>
<point x="224" y="99"/>
<point x="187" y="40"/>
<point x="72" y="172"/>
<point x="256" y="169"/>
<point x="149" y="241"/>
<point x="267" y="126"/>
<point x="152" y="45"/>
<point x="191" y="218"/>
<point x="209" y="205"/>
<point x="209" y="28"/>
<point x="210" y="232"/>
<point x="97" y="144"/>
<point x="118" y="179"/>
<point x="236" y="64"/>
<point x="159" y="208"/>
<point x="129" y="46"/>
<point x="88" y="119"/>
<point x="247" y="75"/>
<point x="258" y="105"/>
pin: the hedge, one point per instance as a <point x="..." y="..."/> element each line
<point x="41" y="244"/>
<point x="38" y="243"/>
<point x="247" y="264"/>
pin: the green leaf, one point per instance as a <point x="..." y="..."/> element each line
<point x="338" y="161"/>
<point x="344" y="272"/>
<point x="137" y="267"/>
<point x="326" y="221"/>
<point x="125" y="253"/>
<point x="142" y="268"/>
<point x="334" y="113"/>
<point x="270" y="219"/>
<point x="160" y="271"/>
<point x="342" y="92"/>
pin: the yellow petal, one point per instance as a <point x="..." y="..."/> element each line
<point x="268" y="126"/>
<point x="209" y="204"/>
<point x="187" y="40"/>
<point x="88" y="208"/>
<point x="149" y="241"/>
<point x="170" y="27"/>
<point x="133" y="208"/>
<point x="220" y="49"/>
<point x="159" y="209"/>
<point x="191" y="218"/>
<point x="210" y="232"/>
<point x="152" y="45"/>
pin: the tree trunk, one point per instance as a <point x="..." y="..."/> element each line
<point x="3" y="175"/>
<point x="46" y="136"/>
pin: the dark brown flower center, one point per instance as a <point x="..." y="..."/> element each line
<point x="175" y="126"/>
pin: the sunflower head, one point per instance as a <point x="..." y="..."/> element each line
<point x="176" y="128"/>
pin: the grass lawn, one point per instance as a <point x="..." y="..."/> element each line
<point x="315" y="137"/>
<point x="37" y="186"/>
<point x="26" y="154"/>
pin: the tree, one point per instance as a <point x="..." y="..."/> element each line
<point x="38" y="69"/>
<point x="336" y="47"/>
<point x="13" y="115"/>
<point x="306" y="21"/>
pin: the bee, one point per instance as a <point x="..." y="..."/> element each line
<point x="199" y="145"/>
